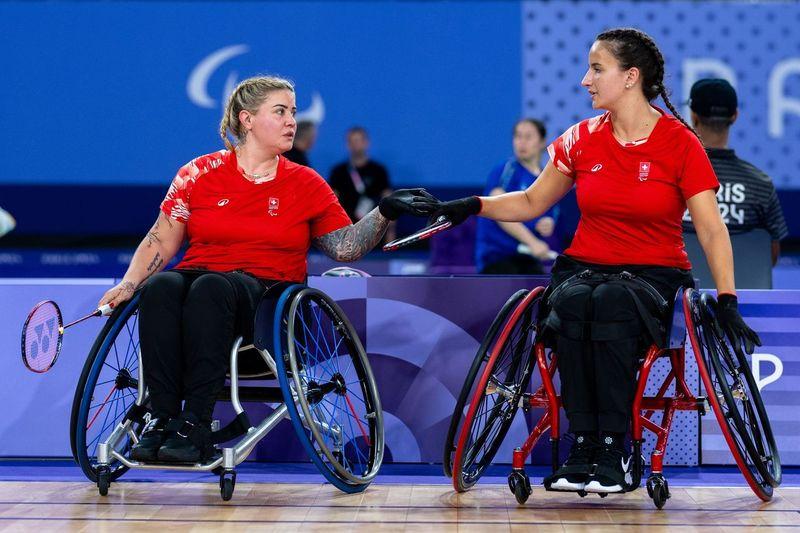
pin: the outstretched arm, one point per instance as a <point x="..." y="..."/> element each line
<point x="549" y="188"/>
<point x="353" y="242"/>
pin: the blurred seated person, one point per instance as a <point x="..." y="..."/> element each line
<point x="304" y="140"/>
<point x="517" y="247"/>
<point x="746" y="196"/>
<point x="360" y="182"/>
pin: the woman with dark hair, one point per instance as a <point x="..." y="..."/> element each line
<point x="498" y="244"/>
<point x="635" y="169"/>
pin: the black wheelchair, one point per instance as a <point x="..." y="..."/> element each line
<point x="498" y="385"/>
<point x="310" y="367"/>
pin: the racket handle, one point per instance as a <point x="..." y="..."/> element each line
<point x="103" y="310"/>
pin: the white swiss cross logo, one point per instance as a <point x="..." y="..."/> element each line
<point x="274" y="203"/>
<point x="644" y="170"/>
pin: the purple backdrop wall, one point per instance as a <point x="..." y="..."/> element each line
<point x="421" y="335"/>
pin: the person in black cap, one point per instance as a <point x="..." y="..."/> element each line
<point x="746" y="197"/>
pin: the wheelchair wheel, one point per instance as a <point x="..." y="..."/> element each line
<point x="106" y="390"/>
<point x="497" y="395"/>
<point x="467" y="390"/>
<point x="329" y="388"/>
<point x="734" y="397"/>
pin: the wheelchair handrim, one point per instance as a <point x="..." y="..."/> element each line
<point x="488" y="342"/>
<point x="752" y="444"/>
<point x="764" y="493"/>
<point x="98" y="361"/>
<point x="460" y="482"/>
<point x="367" y="384"/>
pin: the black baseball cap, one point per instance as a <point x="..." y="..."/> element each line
<point x="713" y="97"/>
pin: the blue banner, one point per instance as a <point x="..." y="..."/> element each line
<point x="126" y="92"/>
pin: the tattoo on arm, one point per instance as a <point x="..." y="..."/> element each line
<point x="353" y="242"/>
<point x="155" y="264"/>
<point x="152" y="235"/>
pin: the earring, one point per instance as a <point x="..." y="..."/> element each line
<point x="628" y="85"/>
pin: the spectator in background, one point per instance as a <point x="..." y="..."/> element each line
<point x="7" y="222"/>
<point x="517" y="247"/>
<point x="360" y="182"/>
<point x="746" y="196"/>
<point x="304" y="140"/>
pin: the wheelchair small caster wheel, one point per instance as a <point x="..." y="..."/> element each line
<point x="520" y="485"/>
<point x="227" y="481"/>
<point x="582" y="493"/>
<point x="602" y="494"/>
<point x="658" y="490"/>
<point x="103" y="480"/>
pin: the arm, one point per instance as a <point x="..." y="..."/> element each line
<point x="352" y="242"/>
<point x="519" y="231"/>
<point x="157" y="249"/>
<point x="549" y="188"/>
<point x="391" y="231"/>
<point x="714" y="239"/>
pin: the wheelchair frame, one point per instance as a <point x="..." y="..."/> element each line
<point x="110" y="450"/>
<point x="643" y="408"/>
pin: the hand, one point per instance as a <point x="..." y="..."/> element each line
<point x="733" y="325"/>
<point x="539" y="249"/>
<point x="417" y="202"/>
<point x="117" y="294"/>
<point x="545" y="226"/>
<point x="457" y="211"/>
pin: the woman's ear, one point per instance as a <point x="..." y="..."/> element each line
<point x="632" y="76"/>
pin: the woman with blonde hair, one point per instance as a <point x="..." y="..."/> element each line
<point x="250" y="217"/>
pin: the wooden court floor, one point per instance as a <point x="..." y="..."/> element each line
<point x="132" y="506"/>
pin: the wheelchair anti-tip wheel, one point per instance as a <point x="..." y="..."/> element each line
<point x="468" y="389"/>
<point x="734" y="397"/>
<point x="106" y="390"/>
<point x="329" y="388"/>
<point x="497" y="395"/>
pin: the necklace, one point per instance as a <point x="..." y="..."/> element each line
<point x="268" y="175"/>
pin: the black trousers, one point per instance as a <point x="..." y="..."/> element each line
<point x="598" y="377"/>
<point x="188" y="321"/>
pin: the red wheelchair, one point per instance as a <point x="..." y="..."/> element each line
<point x="498" y="385"/>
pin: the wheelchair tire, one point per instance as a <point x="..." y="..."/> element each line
<point x="509" y="366"/>
<point x="734" y="397"/>
<point x="110" y="377"/>
<point x="467" y="390"/>
<point x="319" y="354"/>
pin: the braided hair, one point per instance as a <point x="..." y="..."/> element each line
<point x="248" y="95"/>
<point x="634" y="48"/>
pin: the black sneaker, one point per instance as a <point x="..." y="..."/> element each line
<point x="189" y="441"/>
<point x="575" y="471"/>
<point x="153" y="436"/>
<point x="612" y="470"/>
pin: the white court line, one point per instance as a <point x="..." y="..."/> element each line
<point x="57" y="281"/>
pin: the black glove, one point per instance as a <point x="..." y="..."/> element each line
<point x="733" y="325"/>
<point x="417" y="202"/>
<point x="457" y="211"/>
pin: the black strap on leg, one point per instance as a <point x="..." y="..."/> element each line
<point x="236" y="428"/>
<point x="135" y="414"/>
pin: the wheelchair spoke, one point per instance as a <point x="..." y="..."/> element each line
<point x="308" y="351"/>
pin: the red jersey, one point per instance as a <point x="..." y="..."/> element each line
<point x="262" y="228"/>
<point x="632" y="195"/>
